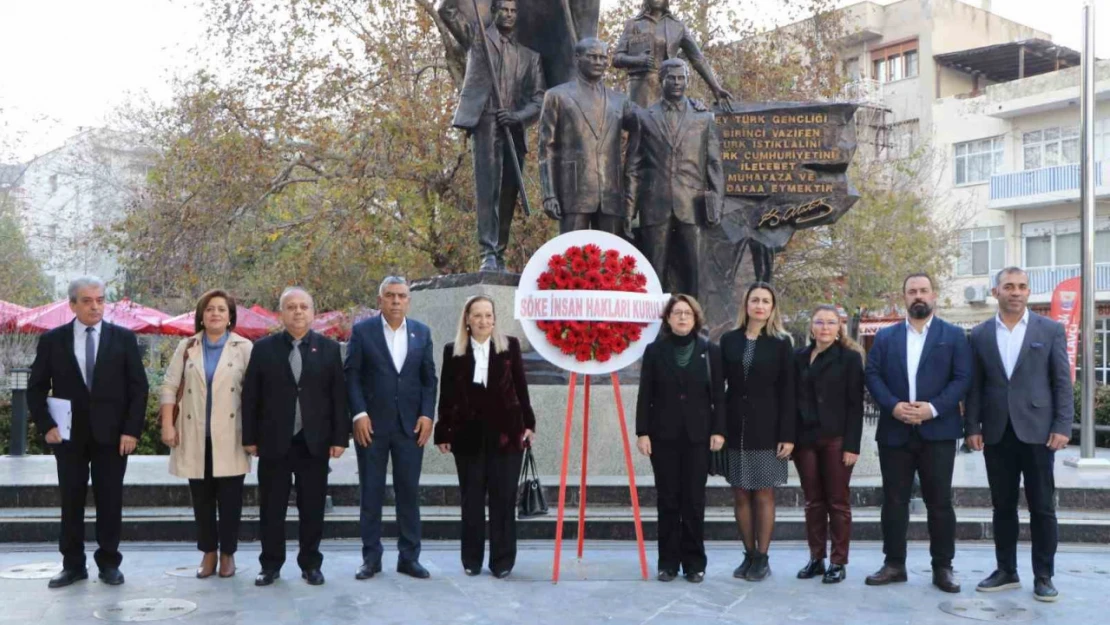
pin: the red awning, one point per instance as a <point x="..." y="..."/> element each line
<point x="44" y="318"/>
<point x="248" y="324"/>
<point x="8" y="314"/>
<point x="264" y="312"/>
<point x="124" y="313"/>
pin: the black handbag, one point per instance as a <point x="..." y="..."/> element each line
<point x="529" y="500"/>
<point x="718" y="460"/>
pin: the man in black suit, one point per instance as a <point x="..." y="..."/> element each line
<point x="97" y="367"/>
<point x="1019" y="412"/>
<point x="294" y="420"/>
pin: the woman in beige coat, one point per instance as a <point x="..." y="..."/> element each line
<point x="206" y="443"/>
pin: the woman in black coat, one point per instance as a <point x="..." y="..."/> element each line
<point x="679" y="419"/>
<point x="486" y="421"/>
<point x="760" y="400"/>
<point x="830" y="425"/>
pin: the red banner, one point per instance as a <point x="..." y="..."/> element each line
<point x="1066" y="304"/>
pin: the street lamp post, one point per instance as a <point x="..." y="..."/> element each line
<point x="18" y="438"/>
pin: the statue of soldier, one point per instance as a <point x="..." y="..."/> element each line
<point x="676" y="182"/>
<point x="521" y="84"/>
<point x="653" y="36"/>
<point x="581" y="173"/>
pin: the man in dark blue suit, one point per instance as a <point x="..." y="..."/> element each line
<point x="918" y="373"/>
<point x="391" y="383"/>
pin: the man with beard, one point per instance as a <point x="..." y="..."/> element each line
<point x="1019" y="413"/>
<point x="918" y="373"/>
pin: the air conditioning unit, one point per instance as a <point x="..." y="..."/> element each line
<point x="976" y="294"/>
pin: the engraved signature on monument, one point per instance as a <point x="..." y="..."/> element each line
<point x="797" y="215"/>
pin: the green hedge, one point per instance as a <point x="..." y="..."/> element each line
<point x="1102" y="414"/>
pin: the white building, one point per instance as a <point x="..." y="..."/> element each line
<point x="71" y="194"/>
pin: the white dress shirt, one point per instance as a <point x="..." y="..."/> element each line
<point x="79" y="344"/>
<point x="915" y="345"/>
<point x="481" y="361"/>
<point x="397" y="342"/>
<point x="1009" y="341"/>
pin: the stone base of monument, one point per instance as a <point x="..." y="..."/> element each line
<point x="439" y="301"/>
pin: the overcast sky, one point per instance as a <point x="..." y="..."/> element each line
<point x="69" y="63"/>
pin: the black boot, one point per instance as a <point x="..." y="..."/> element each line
<point x="812" y="569"/>
<point x="760" y="569"/>
<point x="742" y="571"/>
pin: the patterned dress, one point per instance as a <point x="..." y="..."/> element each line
<point x="753" y="469"/>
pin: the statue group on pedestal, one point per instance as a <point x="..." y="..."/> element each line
<point x="669" y="175"/>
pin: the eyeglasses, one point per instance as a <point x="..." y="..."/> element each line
<point x="826" y="324"/>
<point x="681" y="314"/>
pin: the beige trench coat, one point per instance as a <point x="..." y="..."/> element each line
<point x="228" y="457"/>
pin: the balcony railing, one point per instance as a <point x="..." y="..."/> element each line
<point x="863" y="90"/>
<point x="1028" y="184"/>
<point x="1043" y="280"/>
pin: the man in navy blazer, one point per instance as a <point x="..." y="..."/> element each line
<point x="918" y="373"/>
<point x="391" y="383"/>
<point x="1019" y="412"/>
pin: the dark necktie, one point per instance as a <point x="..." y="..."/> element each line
<point x="295" y="365"/>
<point x="90" y="356"/>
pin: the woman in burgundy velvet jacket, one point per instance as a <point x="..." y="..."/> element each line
<point x="486" y="421"/>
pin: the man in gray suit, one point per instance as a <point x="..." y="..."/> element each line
<point x="521" y="84"/>
<point x="675" y="180"/>
<point x="581" y="171"/>
<point x="1019" y="412"/>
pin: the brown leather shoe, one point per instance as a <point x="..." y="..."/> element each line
<point x="207" y="565"/>
<point x="945" y="579"/>
<point x="227" y="565"/>
<point x="889" y="574"/>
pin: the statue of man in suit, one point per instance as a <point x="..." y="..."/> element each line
<point x="675" y="180"/>
<point x="581" y="172"/>
<point x="521" y="86"/>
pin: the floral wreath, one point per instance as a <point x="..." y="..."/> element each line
<point x="588" y="268"/>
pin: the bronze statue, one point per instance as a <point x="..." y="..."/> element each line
<point x="497" y="129"/>
<point x="676" y="184"/>
<point x="581" y="172"/>
<point x="650" y="38"/>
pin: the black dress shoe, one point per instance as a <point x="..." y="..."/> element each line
<point x="999" y="580"/>
<point x="503" y="574"/>
<point x="368" y="570"/>
<point x="812" y="569"/>
<point x="112" y="577"/>
<point x="413" y="569"/>
<point x="741" y="571"/>
<point x="314" y="577"/>
<point x="889" y="574"/>
<point x="67" y="577"/>
<point x="265" y="578"/>
<point x="835" y="574"/>
<point x="1043" y="590"/>
<point x="945" y="579"/>
<point x="696" y="578"/>
<point x="472" y="572"/>
<point x="666" y="576"/>
<point x="760" y="569"/>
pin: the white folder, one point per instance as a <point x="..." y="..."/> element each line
<point x="61" y="410"/>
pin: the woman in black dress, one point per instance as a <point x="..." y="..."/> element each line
<point x="680" y="418"/>
<point x="759" y="370"/>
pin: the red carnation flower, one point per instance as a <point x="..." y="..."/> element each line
<point x="546" y="280"/>
<point x="591" y="250"/>
<point x="573" y="252"/>
<point x="612" y="255"/>
<point x="579" y="265"/>
<point x="582" y="353"/>
<point x="593" y="262"/>
<point x="612" y="265"/>
<point x="603" y="354"/>
<point x="619" y="344"/>
<point x="628" y="262"/>
<point x="594" y="278"/>
<point x="608" y="283"/>
<point x="579" y="284"/>
<point x="633" y="333"/>
<point x="641" y="280"/>
<point x="556" y="261"/>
